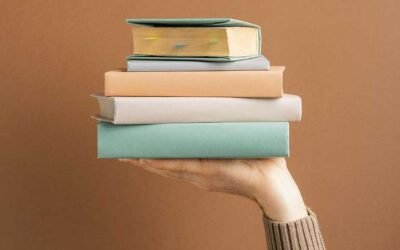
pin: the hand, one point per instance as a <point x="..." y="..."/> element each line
<point x="266" y="181"/>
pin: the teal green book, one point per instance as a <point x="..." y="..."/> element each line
<point x="193" y="140"/>
<point x="191" y="22"/>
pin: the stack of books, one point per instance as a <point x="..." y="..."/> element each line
<point x="195" y="88"/>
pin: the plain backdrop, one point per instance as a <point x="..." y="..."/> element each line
<point x="342" y="58"/>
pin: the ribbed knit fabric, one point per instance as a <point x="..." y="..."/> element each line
<point x="300" y="234"/>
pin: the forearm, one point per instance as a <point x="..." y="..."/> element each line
<point x="303" y="233"/>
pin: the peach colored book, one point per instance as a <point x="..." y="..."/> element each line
<point x="206" y="83"/>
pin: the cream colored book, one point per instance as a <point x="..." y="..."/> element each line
<point x="152" y="110"/>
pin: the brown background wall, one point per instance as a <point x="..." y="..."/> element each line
<point x="342" y="57"/>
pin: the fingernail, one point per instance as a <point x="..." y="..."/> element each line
<point x="123" y="160"/>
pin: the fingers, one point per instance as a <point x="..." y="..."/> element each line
<point x="185" y="177"/>
<point x="172" y="165"/>
<point x="136" y="162"/>
<point x="172" y="168"/>
<point x="161" y="172"/>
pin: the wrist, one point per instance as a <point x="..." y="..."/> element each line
<point x="279" y="197"/>
<point x="285" y="213"/>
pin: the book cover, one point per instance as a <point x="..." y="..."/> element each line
<point x="140" y="65"/>
<point x="201" y="83"/>
<point x="193" y="140"/>
<point x="151" y="110"/>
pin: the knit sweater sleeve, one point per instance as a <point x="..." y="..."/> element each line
<point x="300" y="234"/>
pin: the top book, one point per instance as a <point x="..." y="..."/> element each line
<point x="223" y="39"/>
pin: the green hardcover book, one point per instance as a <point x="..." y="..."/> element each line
<point x="199" y="39"/>
<point x="194" y="140"/>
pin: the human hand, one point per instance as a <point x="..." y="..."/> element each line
<point x="266" y="181"/>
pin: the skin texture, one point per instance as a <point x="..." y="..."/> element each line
<point x="265" y="181"/>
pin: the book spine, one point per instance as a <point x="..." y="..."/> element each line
<point x="151" y="110"/>
<point x="214" y="83"/>
<point x="194" y="140"/>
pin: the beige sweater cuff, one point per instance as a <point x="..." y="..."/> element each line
<point x="300" y="234"/>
